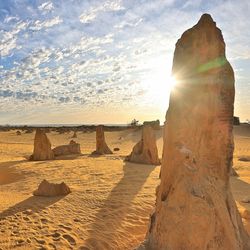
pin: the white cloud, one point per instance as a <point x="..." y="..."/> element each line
<point x="10" y="18"/>
<point x="93" y="12"/>
<point x="87" y="17"/>
<point x="47" y="6"/>
<point x="125" y="24"/>
<point x="7" y="46"/>
<point x="38" y="25"/>
<point x="8" y="39"/>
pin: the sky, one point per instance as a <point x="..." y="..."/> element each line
<point x="97" y="61"/>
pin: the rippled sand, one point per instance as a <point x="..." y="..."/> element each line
<point x="110" y="202"/>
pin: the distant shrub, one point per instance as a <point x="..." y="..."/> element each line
<point x="134" y="123"/>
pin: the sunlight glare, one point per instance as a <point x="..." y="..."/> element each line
<point x="159" y="83"/>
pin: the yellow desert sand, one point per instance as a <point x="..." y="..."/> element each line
<point x="110" y="202"/>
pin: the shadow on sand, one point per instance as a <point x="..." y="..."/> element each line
<point x="70" y="157"/>
<point x="8" y="164"/>
<point x="34" y="203"/>
<point x="105" y="229"/>
<point x="8" y="174"/>
<point x="61" y="157"/>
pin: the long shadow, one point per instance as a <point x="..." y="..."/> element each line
<point x="70" y="157"/>
<point x="8" y="164"/>
<point x="61" y="157"/>
<point x="34" y="203"/>
<point x="8" y="174"/>
<point x="117" y="206"/>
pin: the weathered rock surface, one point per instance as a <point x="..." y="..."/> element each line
<point x="71" y="148"/>
<point x="194" y="207"/>
<point x="48" y="189"/>
<point x="145" y="151"/>
<point x="101" y="145"/>
<point x="42" y="147"/>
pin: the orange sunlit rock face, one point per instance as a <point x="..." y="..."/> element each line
<point x="194" y="205"/>
<point x="48" y="189"/>
<point x="145" y="151"/>
<point x="101" y="145"/>
<point x="42" y="147"/>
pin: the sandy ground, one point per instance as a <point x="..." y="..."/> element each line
<point x="110" y="202"/>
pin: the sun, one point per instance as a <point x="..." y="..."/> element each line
<point x="171" y="81"/>
<point x="158" y="83"/>
<point x="163" y="82"/>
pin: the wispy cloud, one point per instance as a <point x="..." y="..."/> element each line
<point x="38" y="25"/>
<point x="93" y="12"/>
<point x="46" y="7"/>
<point x="8" y="39"/>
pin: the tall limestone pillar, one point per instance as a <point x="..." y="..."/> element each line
<point x="194" y="204"/>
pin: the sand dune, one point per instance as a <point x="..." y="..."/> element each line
<point x="111" y="199"/>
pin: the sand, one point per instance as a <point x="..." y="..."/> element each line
<point x="111" y="199"/>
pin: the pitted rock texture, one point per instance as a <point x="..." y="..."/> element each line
<point x="48" y="189"/>
<point x="71" y="148"/>
<point x="194" y="204"/>
<point x="145" y="151"/>
<point x="42" y="147"/>
<point x="101" y="145"/>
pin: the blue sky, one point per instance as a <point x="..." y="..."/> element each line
<point x="75" y="61"/>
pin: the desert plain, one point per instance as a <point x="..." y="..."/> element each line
<point x="111" y="199"/>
